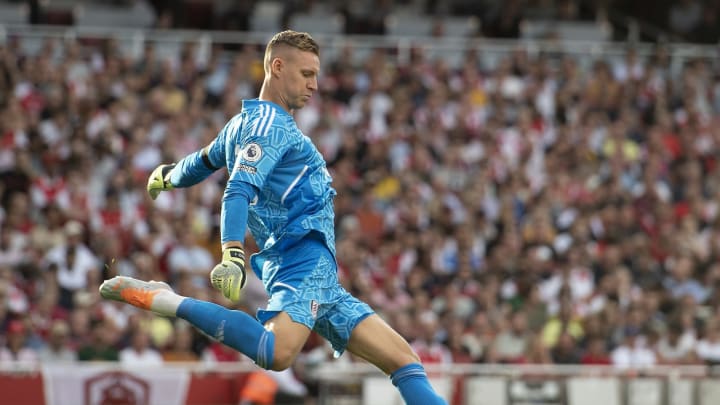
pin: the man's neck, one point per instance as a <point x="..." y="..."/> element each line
<point x="267" y="94"/>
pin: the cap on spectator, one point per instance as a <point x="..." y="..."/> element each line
<point x="59" y="328"/>
<point x="73" y="228"/>
<point x="83" y="299"/>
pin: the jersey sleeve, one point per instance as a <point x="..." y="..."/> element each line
<point x="234" y="212"/>
<point x="215" y="151"/>
<point x="255" y="158"/>
<point x="197" y="166"/>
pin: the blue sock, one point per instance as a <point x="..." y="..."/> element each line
<point x="414" y="386"/>
<point x="233" y="328"/>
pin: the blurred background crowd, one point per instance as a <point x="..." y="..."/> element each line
<point x="538" y="212"/>
<point x="677" y="20"/>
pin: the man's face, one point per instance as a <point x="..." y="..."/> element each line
<point x="298" y="77"/>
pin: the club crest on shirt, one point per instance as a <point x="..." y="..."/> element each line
<point x="251" y="152"/>
<point x="314" y="308"/>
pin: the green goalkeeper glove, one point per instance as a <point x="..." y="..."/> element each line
<point x="229" y="275"/>
<point x="159" y="180"/>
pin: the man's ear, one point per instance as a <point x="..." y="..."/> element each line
<point x="276" y="65"/>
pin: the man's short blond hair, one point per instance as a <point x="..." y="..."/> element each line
<point x="294" y="39"/>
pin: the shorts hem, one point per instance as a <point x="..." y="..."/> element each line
<point x="340" y="348"/>
<point x="264" y="315"/>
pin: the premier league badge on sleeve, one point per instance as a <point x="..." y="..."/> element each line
<point x="251" y="153"/>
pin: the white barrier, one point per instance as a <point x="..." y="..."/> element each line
<point x="483" y="384"/>
<point x="361" y="384"/>
<point x="593" y="391"/>
<point x="680" y="392"/>
<point x="379" y="390"/>
<point x="645" y="391"/>
<point x="708" y="392"/>
<point x="486" y="391"/>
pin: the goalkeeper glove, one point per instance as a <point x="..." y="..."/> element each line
<point x="229" y="275"/>
<point x="159" y="180"/>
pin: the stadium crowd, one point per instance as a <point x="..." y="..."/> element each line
<point x="541" y="211"/>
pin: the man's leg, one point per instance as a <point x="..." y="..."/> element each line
<point x="375" y="341"/>
<point x="294" y="335"/>
<point x="233" y="328"/>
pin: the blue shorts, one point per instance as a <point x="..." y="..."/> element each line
<point x="312" y="295"/>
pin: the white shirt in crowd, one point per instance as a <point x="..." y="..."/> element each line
<point x="633" y="357"/>
<point x="24" y="356"/>
<point x="708" y="350"/>
<point x="147" y="357"/>
<point x="75" y="277"/>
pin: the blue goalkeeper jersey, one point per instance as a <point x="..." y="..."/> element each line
<point x="263" y="146"/>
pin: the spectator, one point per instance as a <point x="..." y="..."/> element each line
<point x="187" y="256"/>
<point x="101" y="347"/>
<point x="139" y="352"/>
<point x="537" y="352"/>
<point x="672" y="348"/>
<point x="536" y="309"/>
<point x="459" y="348"/>
<point x="180" y="345"/>
<point x="679" y="282"/>
<point x="46" y="311"/>
<point x="708" y="348"/>
<point x="12" y="249"/>
<point x="426" y="345"/>
<point x="511" y="344"/>
<point x="51" y="233"/>
<point x="15" y="298"/>
<point x="73" y="261"/>
<point x="566" y="351"/>
<point x="167" y="98"/>
<point x="632" y="353"/>
<point x="15" y="351"/>
<point x="572" y="277"/>
<point x="596" y="353"/>
<point x="392" y="295"/>
<point x="57" y="349"/>
<point x="565" y="320"/>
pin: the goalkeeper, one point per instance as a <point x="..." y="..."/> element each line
<point x="279" y="188"/>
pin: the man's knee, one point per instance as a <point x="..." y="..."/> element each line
<point x="389" y="362"/>
<point x="290" y="337"/>
<point x="414" y="358"/>
<point x="402" y="359"/>
<point x="282" y="359"/>
<point x="375" y="341"/>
